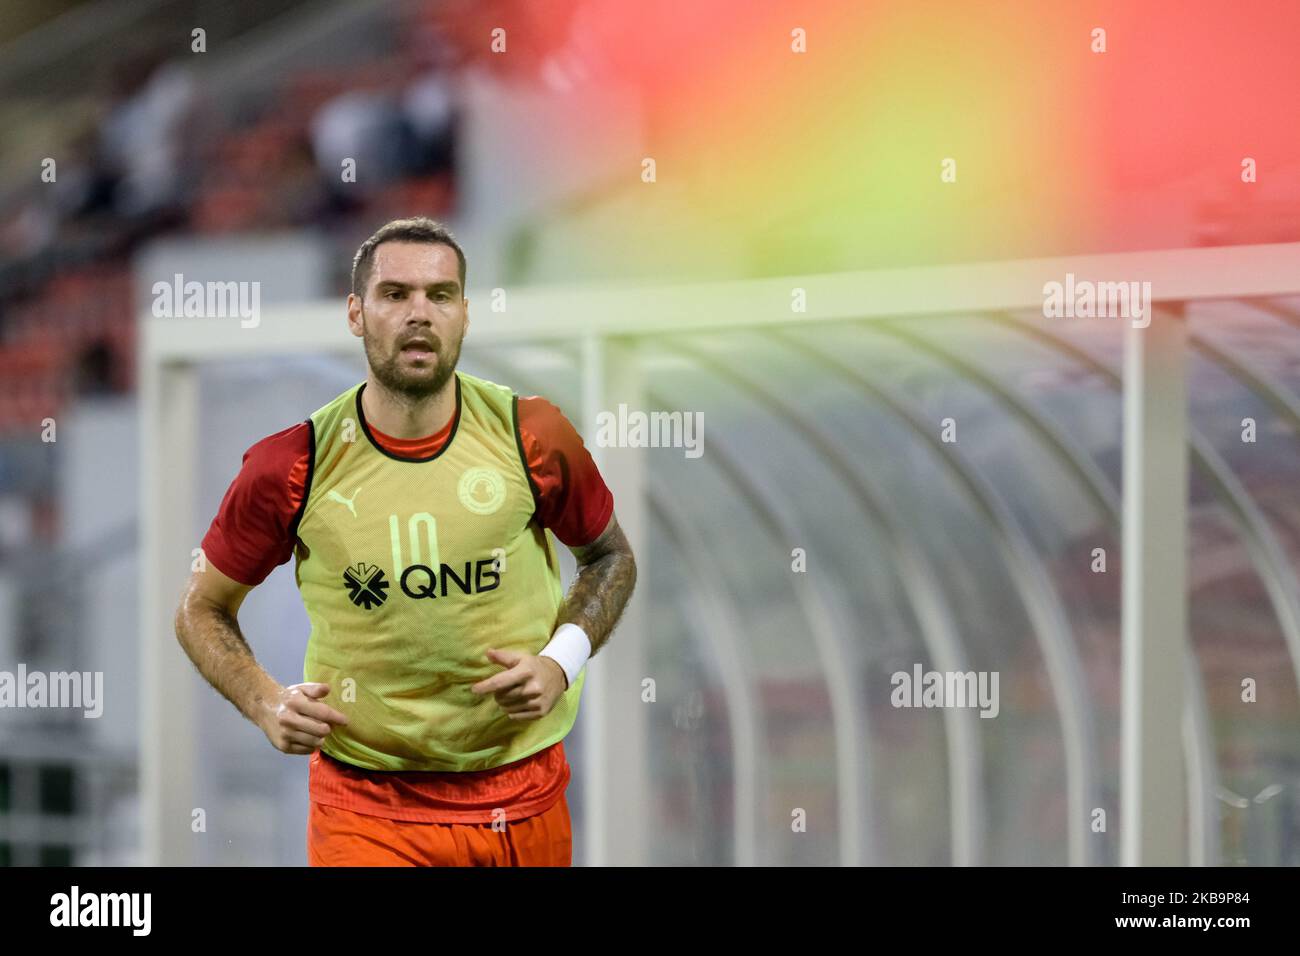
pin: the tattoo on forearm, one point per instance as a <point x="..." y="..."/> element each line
<point x="601" y="590"/>
<point x="224" y="630"/>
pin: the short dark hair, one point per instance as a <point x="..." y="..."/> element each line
<point x="415" y="229"/>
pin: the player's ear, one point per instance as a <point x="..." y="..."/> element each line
<point x="356" y="317"/>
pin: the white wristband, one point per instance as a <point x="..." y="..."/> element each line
<point x="569" y="647"/>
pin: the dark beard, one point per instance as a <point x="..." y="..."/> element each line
<point x="404" y="386"/>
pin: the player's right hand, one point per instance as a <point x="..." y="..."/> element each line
<point x="299" y="721"/>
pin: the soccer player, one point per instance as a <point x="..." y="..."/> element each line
<point x="445" y="663"/>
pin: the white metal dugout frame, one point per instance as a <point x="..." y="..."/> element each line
<point x="1167" y="759"/>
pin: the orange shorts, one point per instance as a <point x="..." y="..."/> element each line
<point x="338" y="837"/>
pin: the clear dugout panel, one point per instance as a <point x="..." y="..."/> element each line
<point x="932" y="493"/>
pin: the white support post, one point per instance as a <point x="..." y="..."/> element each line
<point x="1153" y="787"/>
<point x="168" y="728"/>
<point x="616" y="725"/>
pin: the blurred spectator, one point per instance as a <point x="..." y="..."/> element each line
<point x="301" y="197"/>
<point x="28" y="230"/>
<point x="94" y="371"/>
<point x="139" y="138"/>
<point x="429" y="108"/>
<point x="368" y="128"/>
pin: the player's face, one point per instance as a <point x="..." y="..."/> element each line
<point x="413" y="318"/>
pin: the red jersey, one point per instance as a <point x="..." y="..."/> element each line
<point x="250" y="537"/>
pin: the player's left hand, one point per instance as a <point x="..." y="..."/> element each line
<point x="528" y="688"/>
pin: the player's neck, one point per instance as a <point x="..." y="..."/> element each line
<point x="398" y="416"/>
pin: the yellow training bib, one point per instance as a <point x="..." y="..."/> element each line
<point x="410" y="570"/>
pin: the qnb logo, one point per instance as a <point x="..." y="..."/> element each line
<point x="421" y="581"/>
<point x="367" y="586"/>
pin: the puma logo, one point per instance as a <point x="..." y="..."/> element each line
<point x="335" y="496"/>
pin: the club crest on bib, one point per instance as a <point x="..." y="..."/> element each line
<point x="482" y="490"/>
